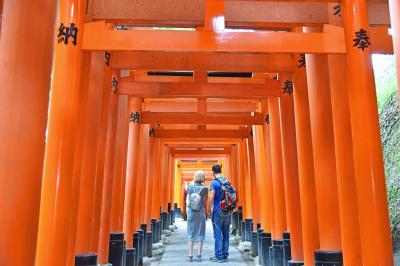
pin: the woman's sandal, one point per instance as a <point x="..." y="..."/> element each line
<point x="190" y="258"/>
<point x="199" y="258"/>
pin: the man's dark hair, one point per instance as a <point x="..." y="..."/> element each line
<point x="216" y="169"/>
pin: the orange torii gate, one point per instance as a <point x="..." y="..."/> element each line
<point x="110" y="145"/>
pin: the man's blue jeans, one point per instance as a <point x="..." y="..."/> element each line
<point x="221" y="222"/>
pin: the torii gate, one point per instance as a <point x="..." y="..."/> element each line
<point x="329" y="192"/>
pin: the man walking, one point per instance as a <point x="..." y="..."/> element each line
<point x="221" y="220"/>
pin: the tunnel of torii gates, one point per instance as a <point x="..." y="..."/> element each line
<point x="287" y="105"/>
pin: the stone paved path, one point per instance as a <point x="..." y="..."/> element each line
<point x="176" y="251"/>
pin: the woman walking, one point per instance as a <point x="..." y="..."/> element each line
<point x="196" y="217"/>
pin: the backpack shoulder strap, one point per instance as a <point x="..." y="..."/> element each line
<point x="194" y="189"/>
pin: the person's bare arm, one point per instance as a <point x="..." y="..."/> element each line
<point x="212" y="196"/>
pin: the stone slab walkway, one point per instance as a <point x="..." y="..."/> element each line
<point x="176" y="251"/>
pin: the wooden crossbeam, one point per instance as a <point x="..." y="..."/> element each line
<point x="202" y="152"/>
<point x="239" y="14"/>
<point x="209" y="90"/>
<point x="202" y="134"/>
<point x="158" y="60"/>
<point x="198" y="119"/>
<point x="143" y="76"/>
<point x="192" y="107"/>
<point x="199" y="145"/>
<point x="97" y="37"/>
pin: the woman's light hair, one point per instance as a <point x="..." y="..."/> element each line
<point x="199" y="177"/>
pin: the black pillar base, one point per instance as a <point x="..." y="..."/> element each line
<point x="259" y="231"/>
<point x="243" y="235"/>
<point x="137" y="245"/>
<point x="264" y="243"/>
<point x="173" y="211"/>
<point x="248" y="229"/>
<point x="254" y="244"/>
<point x="240" y="219"/>
<point x="143" y="227"/>
<point x="328" y="258"/>
<point x="276" y="252"/>
<point x="89" y="259"/>
<point x="149" y="244"/>
<point x="130" y="259"/>
<point x="164" y="221"/>
<point x="287" y="253"/>
<point x="295" y="263"/>
<point x="159" y="230"/>
<point x="153" y="229"/>
<point x="116" y="249"/>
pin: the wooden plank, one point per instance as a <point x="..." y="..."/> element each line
<point x="198" y="119"/>
<point x="175" y="61"/>
<point x="202" y="134"/>
<point x="97" y="37"/>
<point x="176" y="90"/>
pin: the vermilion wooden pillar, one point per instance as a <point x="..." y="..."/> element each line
<point x="247" y="180"/>
<point x="268" y="184"/>
<point x="308" y="200"/>
<point x="241" y="184"/>
<point x="237" y="180"/>
<point x="259" y="154"/>
<point x="254" y="185"/>
<point x="277" y="169"/>
<point x="84" y="234"/>
<point x="101" y="155"/>
<point x="157" y="189"/>
<point x="118" y="194"/>
<point x="394" y="8"/>
<point x="150" y="174"/>
<point x="234" y="166"/>
<point x="142" y="194"/>
<point x="60" y="188"/>
<point x="367" y="150"/>
<point x="78" y="154"/>
<point x="135" y="109"/>
<point x="290" y="171"/>
<point x="171" y="179"/>
<point x="105" y="218"/>
<point x="164" y="176"/>
<point x="123" y="165"/>
<point x="344" y="162"/>
<point x="177" y="183"/>
<point x="323" y="152"/>
<point x="23" y="116"/>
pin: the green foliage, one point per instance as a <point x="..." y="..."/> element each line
<point x="389" y="116"/>
<point x="385" y="77"/>
<point x="390" y="133"/>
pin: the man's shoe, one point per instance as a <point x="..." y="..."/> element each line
<point x="214" y="259"/>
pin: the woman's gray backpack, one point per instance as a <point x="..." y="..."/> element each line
<point x="193" y="200"/>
